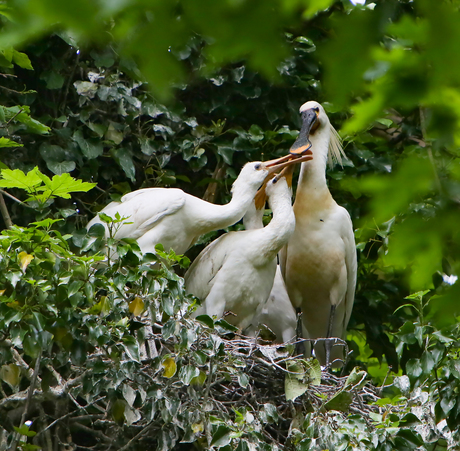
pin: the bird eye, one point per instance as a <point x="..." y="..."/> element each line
<point x="316" y="109"/>
<point x="274" y="180"/>
<point x="257" y="166"/>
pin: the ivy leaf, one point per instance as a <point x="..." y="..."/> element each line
<point x="305" y="374"/>
<point x="62" y="167"/>
<point x="124" y="159"/>
<point x="169" y="364"/>
<point x="136" y="306"/>
<point x="221" y="437"/>
<point x="90" y="148"/>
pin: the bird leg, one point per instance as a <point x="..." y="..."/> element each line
<point x="328" y="343"/>
<point x="298" y="333"/>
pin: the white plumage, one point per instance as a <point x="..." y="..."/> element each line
<point x="319" y="262"/>
<point x="236" y="272"/>
<point x="176" y="219"/>
<point x="276" y="312"/>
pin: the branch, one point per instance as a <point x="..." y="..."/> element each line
<point x="28" y="399"/>
<point x="5" y="214"/>
<point x="10" y="196"/>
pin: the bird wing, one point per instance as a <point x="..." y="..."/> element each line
<point x="200" y="277"/>
<point x="351" y="264"/>
<point x="144" y="208"/>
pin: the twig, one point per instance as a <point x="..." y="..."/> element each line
<point x="67" y="415"/>
<point x="14" y="117"/>
<point x="10" y="196"/>
<point x="429" y="151"/>
<point x="5" y="214"/>
<point x="137" y="437"/>
<point x="29" y="398"/>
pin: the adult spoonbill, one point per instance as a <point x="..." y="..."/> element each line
<point x="236" y="271"/>
<point x="319" y="262"/>
<point x="276" y="312"/>
<point x="176" y="219"/>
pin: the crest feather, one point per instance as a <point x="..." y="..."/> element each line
<point x="335" y="152"/>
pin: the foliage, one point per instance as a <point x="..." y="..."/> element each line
<point x="40" y="187"/>
<point x="183" y="94"/>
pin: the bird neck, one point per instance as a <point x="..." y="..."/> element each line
<point x="253" y="218"/>
<point x="222" y="216"/>
<point x="277" y="233"/>
<point x="312" y="180"/>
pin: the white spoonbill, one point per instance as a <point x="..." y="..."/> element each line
<point x="276" y="312"/>
<point x="319" y="262"/>
<point x="176" y="219"/>
<point x="236" y="271"/>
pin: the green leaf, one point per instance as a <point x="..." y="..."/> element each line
<point x="21" y="114"/>
<point x="62" y="167"/>
<point x="305" y="374"/>
<point x="123" y="158"/>
<point x="187" y="374"/>
<point x="169" y="365"/>
<point x="90" y="148"/>
<point x="24" y="430"/>
<point x="356" y="380"/>
<point x="22" y="60"/>
<point x="131" y="348"/>
<point x="340" y="401"/>
<point x="17" y="179"/>
<point x="62" y="185"/>
<point x="221" y="437"/>
<point x="11" y="374"/>
<point x="5" y="142"/>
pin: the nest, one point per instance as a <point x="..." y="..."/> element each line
<point x="266" y="367"/>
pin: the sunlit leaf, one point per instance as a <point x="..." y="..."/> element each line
<point x="136" y="306"/>
<point x="169" y="365"/>
<point x="10" y="374"/>
<point x="24" y="260"/>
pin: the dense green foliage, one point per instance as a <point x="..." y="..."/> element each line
<point x="127" y="95"/>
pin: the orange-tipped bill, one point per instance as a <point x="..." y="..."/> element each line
<point x="287" y="172"/>
<point x="261" y="197"/>
<point x="309" y="124"/>
<point x="288" y="160"/>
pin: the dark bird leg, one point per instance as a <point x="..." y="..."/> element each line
<point x="299" y="347"/>
<point x="328" y="343"/>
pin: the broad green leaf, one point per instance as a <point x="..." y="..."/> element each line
<point x="62" y="185"/>
<point x="17" y="179"/>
